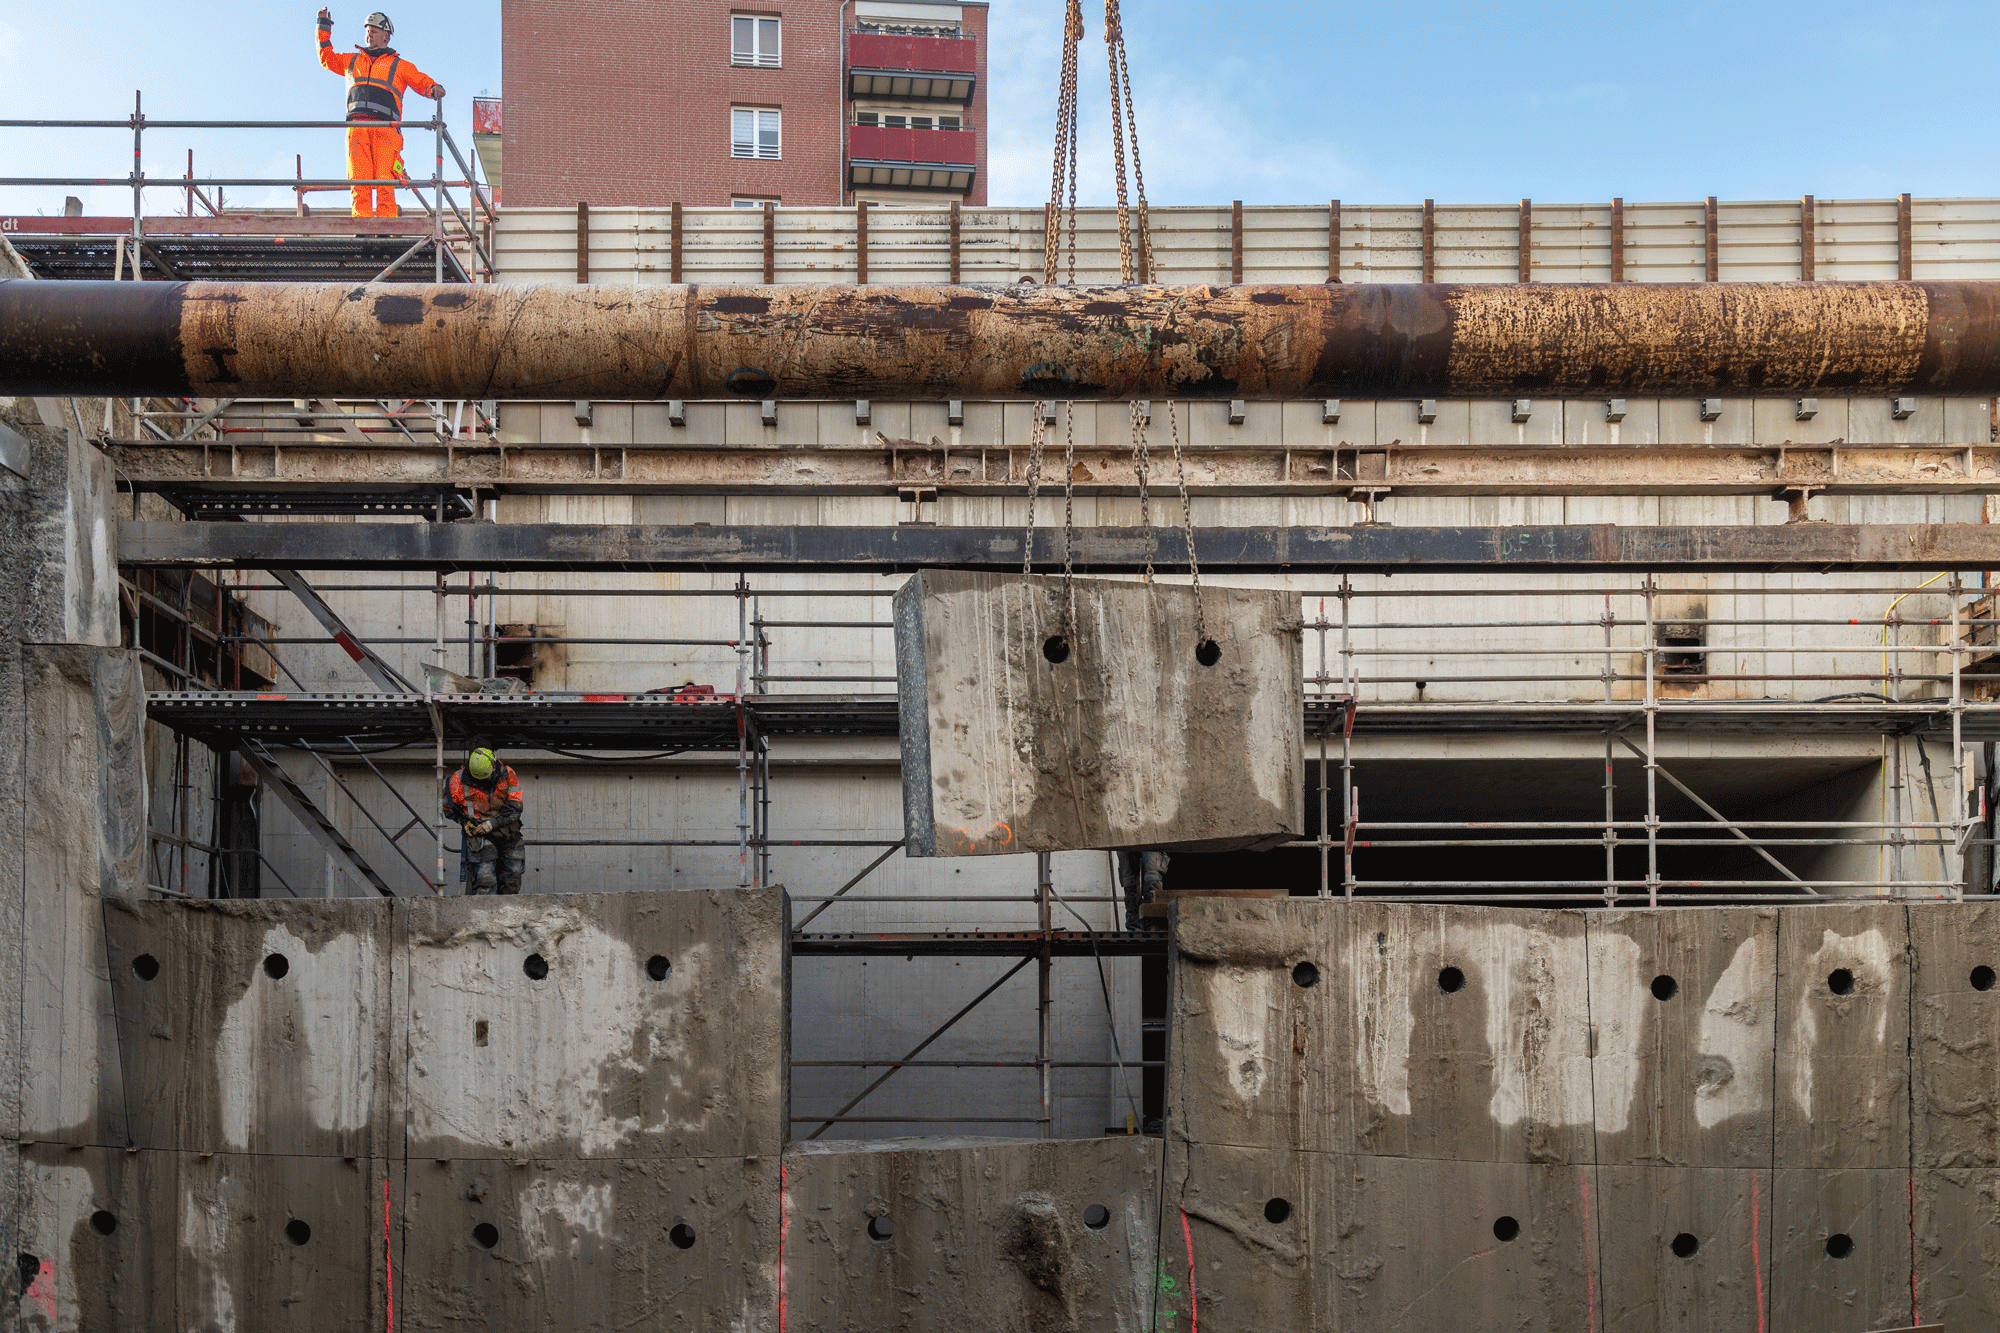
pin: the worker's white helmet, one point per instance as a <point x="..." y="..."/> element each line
<point x="380" y="20"/>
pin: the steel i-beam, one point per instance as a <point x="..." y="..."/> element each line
<point x="281" y="340"/>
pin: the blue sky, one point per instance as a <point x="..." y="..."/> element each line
<point x="1268" y="101"/>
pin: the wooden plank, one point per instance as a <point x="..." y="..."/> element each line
<point x="677" y="233"/>
<point x="1430" y="241"/>
<point x="1711" y="260"/>
<point x="1236" y="241"/>
<point x="1527" y="233"/>
<point x="956" y="221"/>
<point x="582" y="241"/>
<point x="770" y="243"/>
<point x="1333" y="241"/>
<point x="1618" y="240"/>
<point x="1903" y="263"/>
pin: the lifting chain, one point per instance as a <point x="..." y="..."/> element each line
<point x="1203" y="644"/>
<point x="1065" y="154"/>
<point x="1123" y="120"/>
<point x="1036" y="437"/>
<point x="1142" y="463"/>
<point x="1069" y="522"/>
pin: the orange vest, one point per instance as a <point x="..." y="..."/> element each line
<point x="479" y="803"/>
<point x="376" y="80"/>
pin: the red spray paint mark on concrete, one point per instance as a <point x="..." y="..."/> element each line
<point x="1589" y="1256"/>
<point x="1187" y="1233"/>
<point x="388" y="1259"/>
<point x="1756" y="1259"/>
<point x="43" y="1288"/>
<point x="1916" y="1320"/>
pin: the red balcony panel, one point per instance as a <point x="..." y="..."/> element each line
<point x="486" y="115"/>
<point x="876" y="50"/>
<point x="877" y="143"/>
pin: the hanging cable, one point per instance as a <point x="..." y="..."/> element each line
<point x="1125" y="120"/>
<point x="1205" y="650"/>
<point x="1141" y="464"/>
<point x="1065" y="154"/>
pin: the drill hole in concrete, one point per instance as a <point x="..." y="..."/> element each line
<point x="1208" y="652"/>
<point x="1839" y="1245"/>
<point x="1056" y="648"/>
<point x="1506" y="1229"/>
<point x="29" y="1267"/>
<point x="1451" y="981"/>
<point x="535" y="966"/>
<point x="682" y="1236"/>
<point x="1840" y="981"/>
<point x="657" y="967"/>
<point x="1982" y="977"/>
<point x="1665" y="987"/>
<point x="145" y="967"/>
<point x="1685" y="1245"/>
<point x="276" y="965"/>
<point x="297" y="1232"/>
<point x="1097" y="1217"/>
<point x="486" y="1235"/>
<point x="103" y="1223"/>
<point x="880" y="1228"/>
<point x="1305" y="976"/>
<point x="1277" y="1211"/>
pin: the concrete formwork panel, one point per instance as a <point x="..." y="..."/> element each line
<point x="1843" y="1036"/>
<point x="1681" y="1011"/>
<point x="1841" y="1250"/>
<point x="1129" y="741"/>
<point x="601" y="1245"/>
<point x="602" y="1025"/>
<point x="973" y="1235"/>
<point x="1957" y="1218"/>
<point x="280" y="1243"/>
<point x="1719" y="1276"/>
<point x="95" y="1242"/>
<point x="1385" y="1029"/>
<point x="261" y="1027"/>
<point x="1955" y="1036"/>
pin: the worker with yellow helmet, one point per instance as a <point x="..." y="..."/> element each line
<point x="484" y="797"/>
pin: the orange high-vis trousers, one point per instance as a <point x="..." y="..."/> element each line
<point x="375" y="154"/>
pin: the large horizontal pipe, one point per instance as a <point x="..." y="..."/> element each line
<point x="1268" y="550"/>
<point x="287" y="340"/>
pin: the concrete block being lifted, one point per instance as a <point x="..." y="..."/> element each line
<point x="1017" y="737"/>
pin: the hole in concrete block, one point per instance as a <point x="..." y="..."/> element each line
<point x="880" y="1228"/>
<point x="1056" y="648"/>
<point x="479" y="1032"/>
<point x="276" y="965"/>
<point x="297" y="1232"/>
<point x="145" y="967"/>
<point x="1277" y="1210"/>
<point x="1208" y="652"/>
<point x="1305" y="975"/>
<point x="486" y="1235"/>
<point x="1665" y="987"/>
<point x="1982" y="977"/>
<point x="1685" y="1245"/>
<point x="103" y="1223"/>
<point x="682" y="1236"/>
<point x="1451" y="981"/>
<point x="1840" y="981"/>
<point x="657" y="967"/>
<point x="1505" y="1229"/>
<point x="535" y="966"/>
<point x="30" y="1267"/>
<point x="1839" y="1245"/>
<point x="1097" y="1217"/>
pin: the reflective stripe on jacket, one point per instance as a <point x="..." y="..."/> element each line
<point x="376" y="80"/>
<point x="469" y="800"/>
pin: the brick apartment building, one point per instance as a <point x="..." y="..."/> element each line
<point x="704" y="102"/>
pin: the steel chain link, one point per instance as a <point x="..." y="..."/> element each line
<point x="1065" y="152"/>
<point x="1141" y="464"/>
<point x="1069" y="522"/>
<point x="1035" y="441"/>
<point x="1187" y="521"/>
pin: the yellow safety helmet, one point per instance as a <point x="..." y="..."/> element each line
<point x="481" y="763"/>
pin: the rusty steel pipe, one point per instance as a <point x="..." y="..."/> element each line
<point x="286" y="340"/>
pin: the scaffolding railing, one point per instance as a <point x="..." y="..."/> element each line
<point x="469" y="223"/>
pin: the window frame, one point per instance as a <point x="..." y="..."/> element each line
<point x="754" y="200"/>
<point x="756" y="153"/>
<point x="757" y="57"/>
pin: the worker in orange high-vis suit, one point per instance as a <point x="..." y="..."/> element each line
<point x="377" y="78"/>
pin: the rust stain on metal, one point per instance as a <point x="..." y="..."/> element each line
<point x="1255" y="342"/>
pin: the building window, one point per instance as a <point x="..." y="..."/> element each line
<point x="753" y="41"/>
<point x="897" y="120"/>
<point x="750" y="201"/>
<point x="753" y="132"/>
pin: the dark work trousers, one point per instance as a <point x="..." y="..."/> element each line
<point x="494" y="863"/>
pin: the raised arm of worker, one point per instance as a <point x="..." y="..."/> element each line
<point x="329" y="58"/>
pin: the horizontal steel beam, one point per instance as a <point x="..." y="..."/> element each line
<point x="1266" y="342"/>
<point x="1237" y="470"/>
<point x="528" y="546"/>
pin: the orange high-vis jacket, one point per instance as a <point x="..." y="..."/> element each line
<point x="469" y="801"/>
<point x="376" y="80"/>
